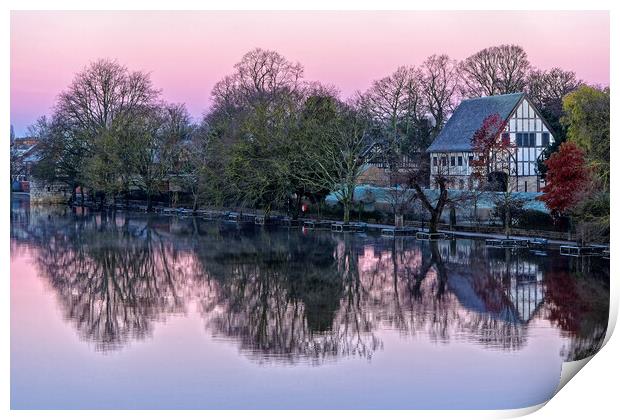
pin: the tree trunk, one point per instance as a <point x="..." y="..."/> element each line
<point x="347" y="209"/>
<point x="438" y="210"/>
<point x="195" y="205"/>
<point x="433" y="222"/>
<point x="297" y="207"/>
<point x="398" y="220"/>
<point x="82" y="193"/>
<point x="73" y="195"/>
<point x="507" y="222"/>
<point x="149" y="202"/>
<point x="476" y="220"/>
<point x="452" y="218"/>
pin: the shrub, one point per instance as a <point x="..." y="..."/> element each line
<point x="534" y="219"/>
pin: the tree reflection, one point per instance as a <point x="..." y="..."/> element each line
<point x="112" y="283"/>
<point x="427" y="289"/>
<point x="578" y="303"/>
<point x="290" y="297"/>
<point x="287" y="298"/>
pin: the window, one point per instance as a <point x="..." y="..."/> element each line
<point x="471" y="160"/>
<point x="526" y="139"/>
<point x="460" y="160"/>
<point x="435" y="161"/>
<point x="452" y="160"/>
<point x="545" y="139"/>
<point x="444" y="161"/>
<point x="506" y="136"/>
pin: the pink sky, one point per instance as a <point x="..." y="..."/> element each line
<point x="188" y="52"/>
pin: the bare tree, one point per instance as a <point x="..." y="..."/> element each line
<point x="395" y="102"/>
<point x="440" y="87"/>
<point x="261" y="77"/>
<point x="399" y="195"/>
<point x="546" y="88"/>
<point x="433" y="205"/>
<point x="255" y="110"/>
<point x="267" y="72"/>
<point x="102" y="92"/>
<point x="495" y="71"/>
<point x="100" y="98"/>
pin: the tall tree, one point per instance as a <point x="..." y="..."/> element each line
<point x="440" y="87"/>
<point x="338" y="161"/>
<point x="395" y="102"/>
<point x="176" y="132"/>
<point x="61" y="154"/>
<point x="495" y="71"/>
<point x="258" y="106"/>
<point x="102" y="92"/>
<point x="99" y="98"/>
<point x="104" y="170"/>
<point x="587" y="119"/>
<point x="155" y="134"/>
<point x="546" y="89"/>
<point x="317" y="124"/>
<point x="193" y="163"/>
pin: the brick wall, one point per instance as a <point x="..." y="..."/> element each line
<point x="42" y="192"/>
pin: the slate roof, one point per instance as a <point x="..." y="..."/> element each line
<point x="468" y="117"/>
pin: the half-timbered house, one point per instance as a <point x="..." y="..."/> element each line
<point x="452" y="155"/>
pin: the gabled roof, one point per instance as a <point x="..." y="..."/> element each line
<point x="381" y="144"/>
<point x="468" y="117"/>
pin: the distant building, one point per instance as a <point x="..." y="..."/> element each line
<point x="24" y="155"/>
<point x="381" y="169"/>
<point x="451" y="153"/>
<point x="24" y="142"/>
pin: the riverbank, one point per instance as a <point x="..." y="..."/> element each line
<point x="553" y="238"/>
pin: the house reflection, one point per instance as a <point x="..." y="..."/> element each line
<point x="288" y="297"/>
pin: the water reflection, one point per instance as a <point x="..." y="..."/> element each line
<point x="287" y="297"/>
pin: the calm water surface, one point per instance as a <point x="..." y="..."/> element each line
<point x="132" y="311"/>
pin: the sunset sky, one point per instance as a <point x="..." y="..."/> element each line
<point x="188" y="52"/>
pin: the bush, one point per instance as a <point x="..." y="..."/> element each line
<point x="534" y="219"/>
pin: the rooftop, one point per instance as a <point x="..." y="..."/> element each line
<point x="468" y="117"/>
